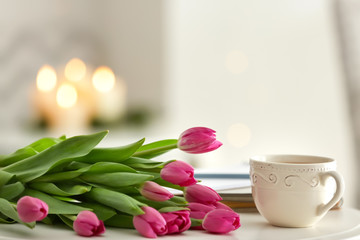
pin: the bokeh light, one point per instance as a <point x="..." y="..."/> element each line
<point x="103" y="79"/>
<point x="75" y="70"/>
<point x="66" y="96"/>
<point x="46" y="79"/>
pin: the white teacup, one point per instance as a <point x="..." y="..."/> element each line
<point x="292" y="191"/>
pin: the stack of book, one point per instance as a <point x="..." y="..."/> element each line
<point x="240" y="200"/>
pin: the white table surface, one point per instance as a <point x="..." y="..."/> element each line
<point x="339" y="224"/>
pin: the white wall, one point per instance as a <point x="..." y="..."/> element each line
<point x="285" y="85"/>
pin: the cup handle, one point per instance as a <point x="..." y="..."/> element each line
<point x="340" y="187"/>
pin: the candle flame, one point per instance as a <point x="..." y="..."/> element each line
<point x="75" y="70"/>
<point x="66" y="96"/>
<point x="103" y="79"/>
<point x="46" y="79"/>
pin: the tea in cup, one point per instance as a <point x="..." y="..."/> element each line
<point x="292" y="190"/>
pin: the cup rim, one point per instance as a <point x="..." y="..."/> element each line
<point x="292" y="159"/>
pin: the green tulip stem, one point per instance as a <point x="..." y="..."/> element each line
<point x="196" y="222"/>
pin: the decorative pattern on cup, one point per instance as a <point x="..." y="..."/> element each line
<point x="291" y="179"/>
<point x="271" y="178"/>
<point x="287" y="181"/>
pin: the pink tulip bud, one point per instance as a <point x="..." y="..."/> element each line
<point x="155" y="192"/>
<point x="151" y="223"/>
<point x="87" y="224"/>
<point x="201" y="194"/>
<point x="178" y="221"/>
<point x="199" y="210"/>
<point x="31" y="209"/>
<point x="221" y="221"/>
<point x="179" y="173"/>
<point x="198" y="140"/>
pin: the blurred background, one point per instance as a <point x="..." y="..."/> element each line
<point x="271" y="77"/>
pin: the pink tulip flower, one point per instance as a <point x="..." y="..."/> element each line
<point x="155" y="192"/>
<point x="178" y="221"/>
<point x="199" y="210"/>
<point x="151" y="223"/>
<point x="87" y="224"/>
<point x="221" y="221"/>
<point x="201" y="194"/>
<point x="31" y="209"/>
<point x="198" y="140"/>
<point x="179" y="173"/>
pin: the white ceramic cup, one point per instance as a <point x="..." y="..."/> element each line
<point x="293" y="190"/>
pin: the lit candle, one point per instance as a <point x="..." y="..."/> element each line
<point x="46" y="82"/>
<point x="111" y="94"/>
<point x="72" y="114"/>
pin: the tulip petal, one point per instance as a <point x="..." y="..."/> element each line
<point x="151" y="223"/>
<point x="155" y="192"/>
<point x="177" y="221"/>
<point x="201" y="194"/>
<point x="219" y="205"/>
<point x="152" y="215"/>
<point x="221" y="221"/>
<point x="199" y="210"/>
<point x="179" y="173"/>
<point x="87" y="224"/>
<point x="100" y="228"/>
<point x="143" y="227"/>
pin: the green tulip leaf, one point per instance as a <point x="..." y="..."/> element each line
<point x="157" y="204"/>
<point x="6" y="221"/>
<point x="109" y="167"/>
<point x="28" y="151"/>
<point x="37" y="165"/>
<point x="73" y="166"/>
<point x="178" y="200"/>
<point x="11" y="191"/>
<point x="116" y="179"/>
<point x="49" y="219"/>
<point x="96" y="168"/>
<point x="68" y="222"/>
<point x="164" y="183"/>
<point x="67" y="199"/>
<point x="102" y="212"/>
<point x="5" y="177"/>
<point x="156" y="148"/>
<point x="144" y="163"/>
<point x="173" y="209"/>
<point x="116" y="200"/>
<point x="115" y="154"/>
<point x="61" y="189"/>
<point x="61" y="176"/>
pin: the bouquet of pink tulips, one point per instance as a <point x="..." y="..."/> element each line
<point x="71" y="181"/>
